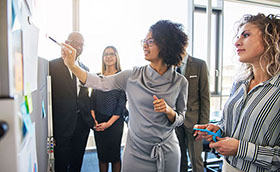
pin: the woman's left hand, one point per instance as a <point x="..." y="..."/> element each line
<point x="160" y="105"/>
<point x="102" y="126"/>
<point x="225" y="146"/>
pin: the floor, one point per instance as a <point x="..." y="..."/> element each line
<point x="90" y="162"/>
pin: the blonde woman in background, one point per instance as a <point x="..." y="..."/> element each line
<point x="108" y="109"/>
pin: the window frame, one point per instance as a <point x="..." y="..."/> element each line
<point x="218" y="55"/>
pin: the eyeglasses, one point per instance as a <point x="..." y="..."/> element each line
<point x="149" y="42"/>
<point x="74" y="43"/>
<point x="109" y="54"/>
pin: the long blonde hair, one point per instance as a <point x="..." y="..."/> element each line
<point x="117" y="65"/>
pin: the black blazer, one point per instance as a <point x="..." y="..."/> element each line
<point x="66" y="105"/>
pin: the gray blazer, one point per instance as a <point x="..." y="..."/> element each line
<point x="198" y="106"/>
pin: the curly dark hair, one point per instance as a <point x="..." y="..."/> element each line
<point x="270" y="28"/>
<point x="171" y="41"/>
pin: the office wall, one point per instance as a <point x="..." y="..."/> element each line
<point x="13" y="155"/>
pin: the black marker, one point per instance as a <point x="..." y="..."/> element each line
<point x="57" y="43"/>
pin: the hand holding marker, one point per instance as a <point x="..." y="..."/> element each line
<point x="217" y="134"/>
<point x="57" y="42"/>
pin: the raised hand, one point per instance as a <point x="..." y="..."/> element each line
<point x="161" y="106"/>
<point x="68" y="54"/>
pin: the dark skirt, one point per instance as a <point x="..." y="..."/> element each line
<point x="108" y="142"/>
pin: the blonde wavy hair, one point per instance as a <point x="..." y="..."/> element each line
<point x="270" y="28"/>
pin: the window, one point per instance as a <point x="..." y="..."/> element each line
<point x="123" y="24"/>
<point x="230" y="61"/>
<point x="200" y="44"/>
<point x="224" y="64"/>
<point x="58" y="26"/>
<point x="200" y="50"/>
<point x="215" y="3"/>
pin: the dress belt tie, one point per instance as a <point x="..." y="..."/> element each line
<point x="156" y="152"/>
<point x="158" y="155"/>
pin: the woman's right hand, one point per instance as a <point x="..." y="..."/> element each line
<point x="68" y="54"/>
<point x="200" y="134"/>
<point x="94" y="119"/>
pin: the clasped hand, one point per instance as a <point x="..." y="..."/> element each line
<point x="101" y="126"/>
<point x="225" y="146"/>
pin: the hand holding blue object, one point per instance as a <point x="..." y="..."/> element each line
<point x="217" y="134"/>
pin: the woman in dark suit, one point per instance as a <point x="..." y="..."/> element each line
<point x="107" y="110"/>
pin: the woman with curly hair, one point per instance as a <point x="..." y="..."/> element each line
<point x="251" y="117"/>
<point x="157" y="99"/>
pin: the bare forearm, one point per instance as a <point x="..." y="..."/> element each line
<point x="171" y="114"/>
<point x="161" y="106"/>
<point x="113" y="119"/>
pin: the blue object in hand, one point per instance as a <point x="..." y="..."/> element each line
<point x="217" y="134"/>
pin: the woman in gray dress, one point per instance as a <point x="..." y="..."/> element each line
<point x="157" y="99"/>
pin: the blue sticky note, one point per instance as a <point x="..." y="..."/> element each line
<point x="43" y="110"/>
<point x="24" y="130"/>
<point x="26" y="118"/>
<point x="13" y="14"/>
<point x="28" y="123"/>
<point x="23" y="108"/>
